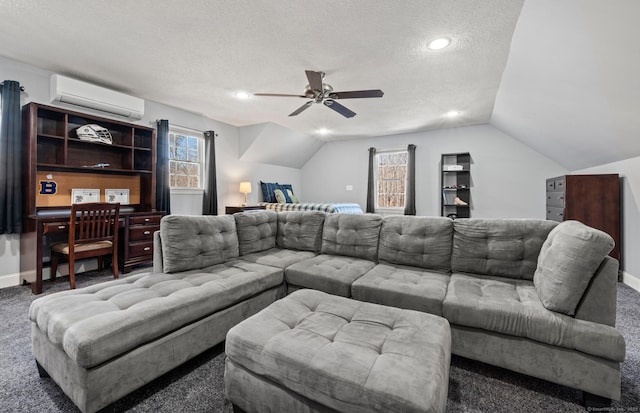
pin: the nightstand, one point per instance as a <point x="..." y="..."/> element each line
<point x="234" y="209"/>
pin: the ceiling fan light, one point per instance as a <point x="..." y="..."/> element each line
<point x="440" y="43"/>
<point x="242" y="95"/>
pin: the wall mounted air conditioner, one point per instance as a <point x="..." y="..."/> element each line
<point x="66" y="90"/>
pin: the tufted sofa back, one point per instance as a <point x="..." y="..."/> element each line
<point x="191" y="242"/>
<point x="256" y="230"/>
<point x="352" y="235"/>
<point x="300" y="230"/>
<point x="499" y="247"/>
<point x="423" y="242"/>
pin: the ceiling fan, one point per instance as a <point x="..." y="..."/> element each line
<point x="320" y="92"/>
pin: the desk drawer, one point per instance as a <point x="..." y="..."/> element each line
<point x="142" y="232"/>
<point x="145" y="220"/>
<point x="53" y="227"/>
<point x="138" y="249"/>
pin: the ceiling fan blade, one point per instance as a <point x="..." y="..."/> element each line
<point x="279" y="95"/>
<point x="301" y="108"/>
<point x="355" y="94"/>
<point x="332" y="104"/>
<point x="315" y="80"/>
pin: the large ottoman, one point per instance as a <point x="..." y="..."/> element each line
<point x="312" y="351"/>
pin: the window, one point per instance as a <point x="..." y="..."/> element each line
<point x="186" y="160"/>
<point x="391" y="179"/>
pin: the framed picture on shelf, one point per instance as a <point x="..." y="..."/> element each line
<point x="117" y="195"/>
<point x="83" y="196"/>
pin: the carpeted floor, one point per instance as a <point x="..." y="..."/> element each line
<point x="197" y="386"/>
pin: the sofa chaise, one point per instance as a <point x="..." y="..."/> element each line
<point x="533" y="296"/>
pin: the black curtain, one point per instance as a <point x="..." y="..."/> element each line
<point x="10" y="159"/>
<point x="371" y="185"/>
<point x="210" y="198"/>
<point x="163" y="194"/>
<point x="410" y="193"/>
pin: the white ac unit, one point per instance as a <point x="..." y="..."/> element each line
<point x="66" y="90"/>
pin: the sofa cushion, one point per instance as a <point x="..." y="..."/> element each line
<point x="333" y="274"/>
<point x="568" y="259"/>
<point x="403" y="287"/>
<point x="512" y="307"/>
<point x="97" y="323"/>
<point x="423" y="242"/>
<point x="502" y="247"/>
<point x="256" y="230"/>
<point x="349" y="356"/>
<point x="300" y="230"/>
<point x="351" y="235"/>
<point x="190" y="241"/>
<point x="277" y="257"/>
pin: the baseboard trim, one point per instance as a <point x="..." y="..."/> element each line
<point x="16" y="279"/>
<point x="631" y="281"/>
<point x="9" y="280"/>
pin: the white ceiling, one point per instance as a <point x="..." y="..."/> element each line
<point x="566" y="82"/>
<point x="196" y="54"/>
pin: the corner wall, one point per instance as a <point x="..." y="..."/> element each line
<point x="508" y="178"/>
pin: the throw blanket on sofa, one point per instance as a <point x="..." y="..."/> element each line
<point x="343" y="208"/>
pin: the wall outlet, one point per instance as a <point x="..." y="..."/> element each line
<point x="349" y="187"/>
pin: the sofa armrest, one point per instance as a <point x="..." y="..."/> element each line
<point x="157" y="253"/>
<point x="598" y="303"/>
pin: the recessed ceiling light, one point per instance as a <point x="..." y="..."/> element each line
<point x="323" y="131"/>
<point x="242" y="95"/>
<point x="453" y="113"/>
<point x="440" y="43"/>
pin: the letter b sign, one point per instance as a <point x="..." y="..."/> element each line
<point x="47" y="187"/>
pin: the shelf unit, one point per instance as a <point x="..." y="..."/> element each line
<point x="55" y="161"/>
<point x="455" y="183"/>
<point x="53" y="153"/>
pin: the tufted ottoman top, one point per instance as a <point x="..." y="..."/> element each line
<point x="97" y="323"/>
<point x="348" y="355"/>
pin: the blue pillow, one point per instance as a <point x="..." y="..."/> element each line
<point x="267" y="191"/>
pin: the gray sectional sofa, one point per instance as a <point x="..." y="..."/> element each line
<point x="528" y="295"/>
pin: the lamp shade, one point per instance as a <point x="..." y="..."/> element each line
<point x="245" y="187"/>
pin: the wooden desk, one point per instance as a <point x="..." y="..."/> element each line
<point x="135" y="242"/>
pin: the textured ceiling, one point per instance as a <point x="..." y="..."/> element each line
<point x="195" y="55"/>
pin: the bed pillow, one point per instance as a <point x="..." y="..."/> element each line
<point x="280" y="198"/>
<point x="285" y="188"/>
<point x="292" y="197"/>
<point x="567" y="261"/>
<point x="267" y="191"/>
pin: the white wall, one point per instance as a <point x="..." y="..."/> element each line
<point x="629" y="171"/>
<point x="508" y="178"/>
<point x="230" y="169"/>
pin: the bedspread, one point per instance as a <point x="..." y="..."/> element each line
<point x="342" y="208"/>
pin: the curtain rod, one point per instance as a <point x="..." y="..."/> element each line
<point x="21" y="87"/>
<point x="185" y="128"/>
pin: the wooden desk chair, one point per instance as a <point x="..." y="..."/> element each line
<point x="93" y="233"/>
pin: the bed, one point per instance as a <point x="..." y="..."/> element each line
<point x="280" y="197"/>
<point x="340" y="208"/>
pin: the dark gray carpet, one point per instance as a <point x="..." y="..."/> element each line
<point x="197" y="386"/>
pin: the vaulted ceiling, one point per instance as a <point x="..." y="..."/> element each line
<point x="559" y="76"/>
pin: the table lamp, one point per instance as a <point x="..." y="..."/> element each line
<point x="245" y="188"/>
